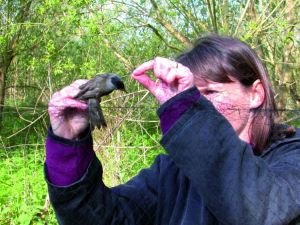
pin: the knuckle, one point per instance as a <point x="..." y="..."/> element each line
<point x="157" y="58"/>
<point x="54" y="96"/>
<point x="79" y="82"/>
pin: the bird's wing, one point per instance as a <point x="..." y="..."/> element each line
<point x="89" y="89"/>
<point x="94" y="93"/>
<point x="94" y="88"/>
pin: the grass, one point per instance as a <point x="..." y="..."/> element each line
<point x="23" y="189"/>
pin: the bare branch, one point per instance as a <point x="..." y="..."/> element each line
<point x="107" y="43"/>
<point x="212" y="10"/>
<point x="159" y="18"/>
<point x="155" y="31"/>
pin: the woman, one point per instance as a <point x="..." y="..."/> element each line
<point x="227" y="162"/>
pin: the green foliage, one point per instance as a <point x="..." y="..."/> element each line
<point x="24" y="123"/>
<point x="130" y="155"/>
<point x="23" y="190"/>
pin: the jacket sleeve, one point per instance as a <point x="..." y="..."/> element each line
<point x="67" y="160"/>
<point x="237" y="186"/>
<point x="89" y="201"/>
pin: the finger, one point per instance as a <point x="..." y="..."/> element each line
<point x="162" y="67"/>
<point x="77" y="85"/>
<point x="79" y="82"/>
<point x="57" y="105"/>
<point x="180" y="74"/>
<point x="71" y="90"/>
<point x="178" y="79"/>
<point x="147" y="82"/>
<point x="83" y="89"/>
<point x="141" y="69"/>
<point x="171" y="77"/>
<point x="185" y="78"/>
<point x="67" y="103"/>
<point x="85" y="85"/>
<point x="183" y="71"/>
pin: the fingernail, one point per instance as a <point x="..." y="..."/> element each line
<point x="134" y="72"/>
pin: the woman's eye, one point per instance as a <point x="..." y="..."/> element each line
<point x="209" y="92"/>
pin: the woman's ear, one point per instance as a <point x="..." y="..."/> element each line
<point x="257" y="94"/>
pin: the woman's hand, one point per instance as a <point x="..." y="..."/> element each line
<point x="68" y="116"/>
<point x="173" y="78"/>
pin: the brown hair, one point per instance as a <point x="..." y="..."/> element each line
<point x="218" y="58"/>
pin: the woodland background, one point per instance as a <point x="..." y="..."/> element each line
<point x="45" y="45"/>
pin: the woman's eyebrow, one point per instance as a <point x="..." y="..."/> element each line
<point x="214" y="86"/>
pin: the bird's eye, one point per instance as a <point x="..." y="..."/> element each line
<point x="118" y="83"/>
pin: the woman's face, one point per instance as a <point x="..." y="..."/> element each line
<point x="232" y="100"/>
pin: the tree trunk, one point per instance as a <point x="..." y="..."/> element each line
<point x="2" y="93"/>
<point x="288" y="58"/>
<point x="4" y="65"/>
<point x="8" y="53"/>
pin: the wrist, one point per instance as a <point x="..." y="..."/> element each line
<point x="67" y="160"/>
<point x="66" y="134"/>
<point x="172" y="109"/>
<point x="67" y="138"/>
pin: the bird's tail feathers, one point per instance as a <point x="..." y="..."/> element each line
<point x="96" y="114"/>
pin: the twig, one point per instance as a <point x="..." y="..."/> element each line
<point x="242" y="17"/>
<point x="24" y="128"/>
<point x="291" y="119"/>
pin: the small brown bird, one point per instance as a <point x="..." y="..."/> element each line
<point x="93" y="90"/>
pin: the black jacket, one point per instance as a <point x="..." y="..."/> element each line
<point x="208" y="177"/>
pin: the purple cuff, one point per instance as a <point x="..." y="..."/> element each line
<point x="67" y="160"/>
<point x="171" y="111"/>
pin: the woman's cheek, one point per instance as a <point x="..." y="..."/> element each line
<point x="224" y="108"/>
<point x="221" y="104"/>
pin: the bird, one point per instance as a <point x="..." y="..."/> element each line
<point x="93" y="90"/>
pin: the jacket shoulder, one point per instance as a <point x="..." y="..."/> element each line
<point x="285" y="149"/>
